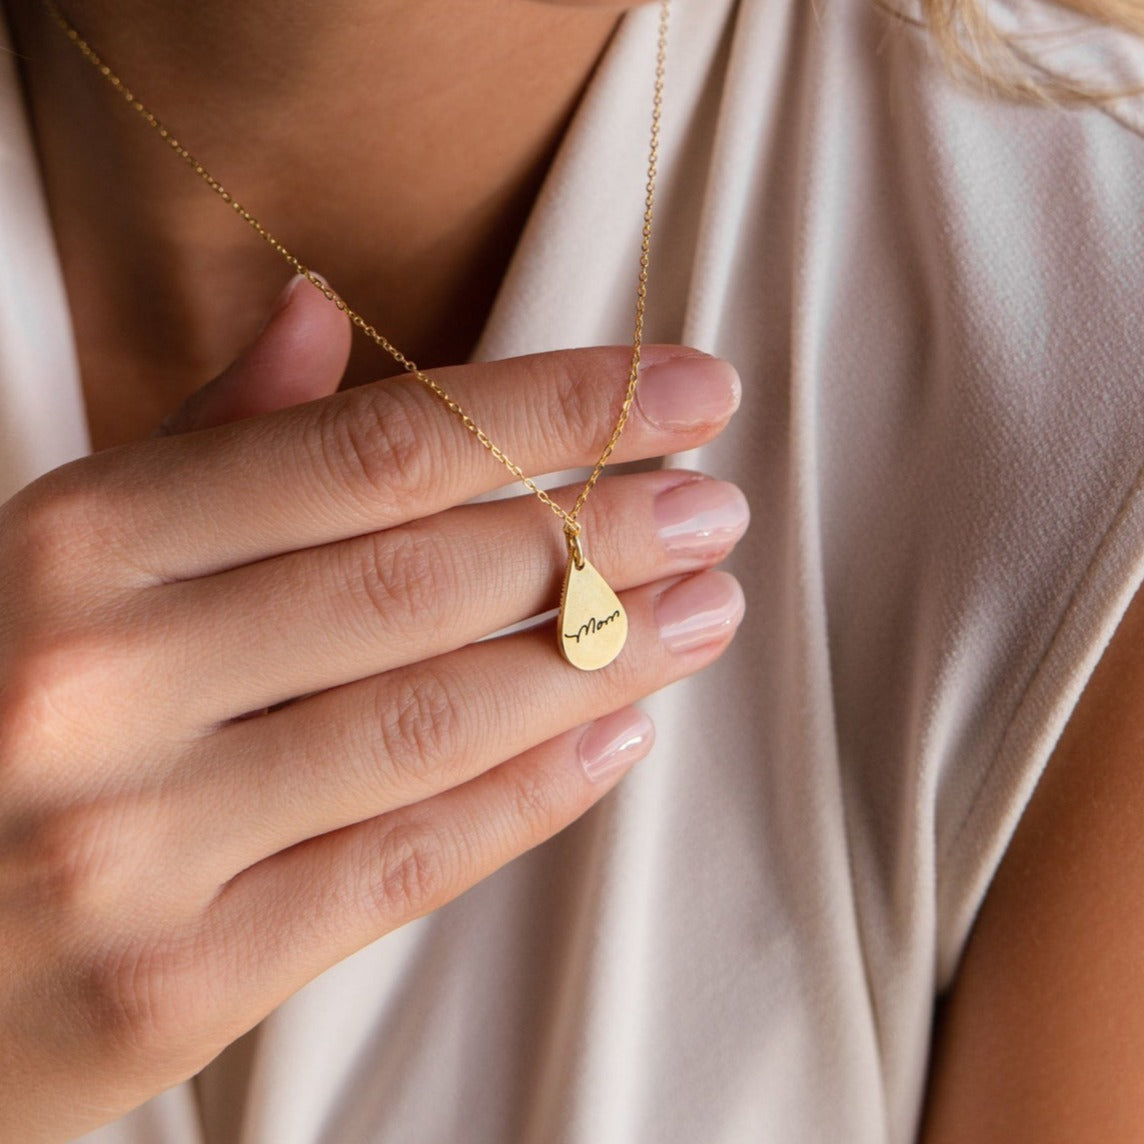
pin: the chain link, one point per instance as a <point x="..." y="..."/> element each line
<point x="571" y="526"/>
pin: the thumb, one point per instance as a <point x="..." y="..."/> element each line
<point x="299" y="355"/>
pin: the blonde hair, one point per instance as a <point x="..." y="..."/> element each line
<point x="969" y="40"/>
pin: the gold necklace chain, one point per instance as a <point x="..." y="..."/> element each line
<point x="592" y="626"/>
<point x="570" y="518"/>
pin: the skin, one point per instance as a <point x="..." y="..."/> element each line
<point x="129" y="883"/>
<point x="156" y="873"/>
<point x="418" y="236"/>
<point x="1042" y="1036"/>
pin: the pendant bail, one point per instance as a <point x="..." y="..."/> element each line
<point x="572" y="531"/>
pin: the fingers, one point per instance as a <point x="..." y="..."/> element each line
<point x="346" y="889"/>
<point x="384" y="743"/>
<point x="299" y="355"/>
<point x="353" y="885"/>
<point x="316" y="619"/>
<point x="381" y="455"/>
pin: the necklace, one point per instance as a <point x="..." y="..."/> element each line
<point x="592" y="626"/>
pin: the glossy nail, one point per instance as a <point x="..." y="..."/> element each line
<point x="700" y="517"/>
<point x="614" y="743"/>
<point x="287" y="295"/>
<point x="688" y="392"/>
<point x="699" y="611"/>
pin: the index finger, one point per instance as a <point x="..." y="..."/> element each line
<point x="387" y="453"/>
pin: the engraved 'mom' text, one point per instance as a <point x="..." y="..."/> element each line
<point x="592" y="626"/>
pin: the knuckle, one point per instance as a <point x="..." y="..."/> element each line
<point x="577" y="404"/>
<point x="44" y="685"/>
<point x="420" y="729"/>
<point x="413" y="872"/>
<point x="59" y="688"/>
<point x="47" y="531"/>
<point x="25" y="732"/>
<point x="533" y="801"/>
<point x="403" y="576"/>
<point x="640" y="676"/>
<point x="137" y="995"/>
<point x="74" y="861"/>
<point x="372" y="444"/>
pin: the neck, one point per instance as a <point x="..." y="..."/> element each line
<point x="394" y="145"/>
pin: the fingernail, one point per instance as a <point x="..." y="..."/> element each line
<point x="699" y="611"/>
<point x="700" y="517"/>
<point x="687" y="392"/>
<point x="614" y="743"/>
<point x="283" y="299"/>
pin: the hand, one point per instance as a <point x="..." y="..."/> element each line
<point x="171" y="870"/>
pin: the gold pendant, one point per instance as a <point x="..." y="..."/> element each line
<point x="592" y="625"/>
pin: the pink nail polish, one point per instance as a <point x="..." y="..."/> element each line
<point x="284" y="299"/>
<point x="289" y="290"/>
<point x="698" y="611"/>
<point x="688" y="392"/>
<point x="700" y="517"/>
<point x="614" y="743"/>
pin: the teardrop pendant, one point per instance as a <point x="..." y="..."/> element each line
<point x="593" y="625"/>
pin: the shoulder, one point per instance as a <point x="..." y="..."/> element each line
<point x="1043" y="1036"/>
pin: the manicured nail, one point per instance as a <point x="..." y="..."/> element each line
<point x="687" y="392"/>
<point x="699" y="611"/>
<point x="284" y="298"/>
<point x="700" y="517"/>
<point x="614" y="743"/>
